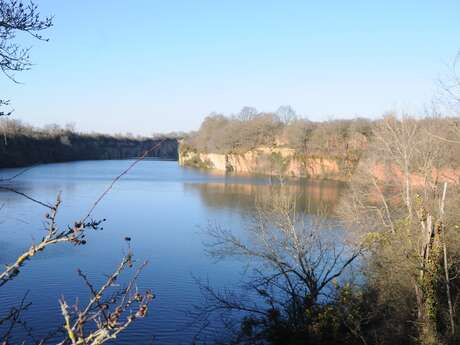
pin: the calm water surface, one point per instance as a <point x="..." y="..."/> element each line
<point x="163" y="207"/>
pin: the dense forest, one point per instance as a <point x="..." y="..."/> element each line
<point x="22" y="145"/>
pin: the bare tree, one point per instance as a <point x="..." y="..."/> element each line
<point x="286" y="114"/>
<point x="247" y="113"/>
<point x="18" y="16"/>
<point x="107" y="313"/>
<point x="450" y="86"/>
<point x="295" y="260"/>
<point x="397" y="199"/>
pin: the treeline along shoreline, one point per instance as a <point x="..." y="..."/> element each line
<point x="265" y="143"/>
<point x="23" y="145"/>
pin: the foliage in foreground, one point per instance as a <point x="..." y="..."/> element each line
<point x="400" y="213"/>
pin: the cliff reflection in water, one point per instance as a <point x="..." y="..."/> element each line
<point x="312" y="196"/>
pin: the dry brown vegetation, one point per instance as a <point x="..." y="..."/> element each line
<point x="399" y="222"/>
<point x="241" y="133"/>
<point x="400" y="212"/>
<point x="344" y="140"/>
<point x="400" y="215"/>
<point x="410" y="217"/>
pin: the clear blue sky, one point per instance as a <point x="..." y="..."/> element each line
<point x="150" y="66"/>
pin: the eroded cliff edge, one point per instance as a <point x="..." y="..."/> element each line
<point x="273" y="161"/>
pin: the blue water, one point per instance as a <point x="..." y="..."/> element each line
<point x="163" y="207"/>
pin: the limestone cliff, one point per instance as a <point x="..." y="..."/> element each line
<point x="269" y="161"/>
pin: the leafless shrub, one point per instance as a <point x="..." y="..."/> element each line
<point x="75" y="234"/>
<point x="295" y="263"/>
<point x="396" y="201"/>
<point x="13" y="319"/>
<point x="18" y="16"/>
<point x="108" y="313"/>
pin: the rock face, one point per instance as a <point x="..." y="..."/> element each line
<point x="26" y="150"/>
<point x="269" y="161"/>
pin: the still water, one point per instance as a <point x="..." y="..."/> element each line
<point x="163" y="207"/>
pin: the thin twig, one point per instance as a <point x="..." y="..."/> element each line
<point x="23" y="171"/>
<point x="118" y="177"/>
<point x="12" y="190"/>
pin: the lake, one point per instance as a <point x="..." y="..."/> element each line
<point x="163" y="207"/>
